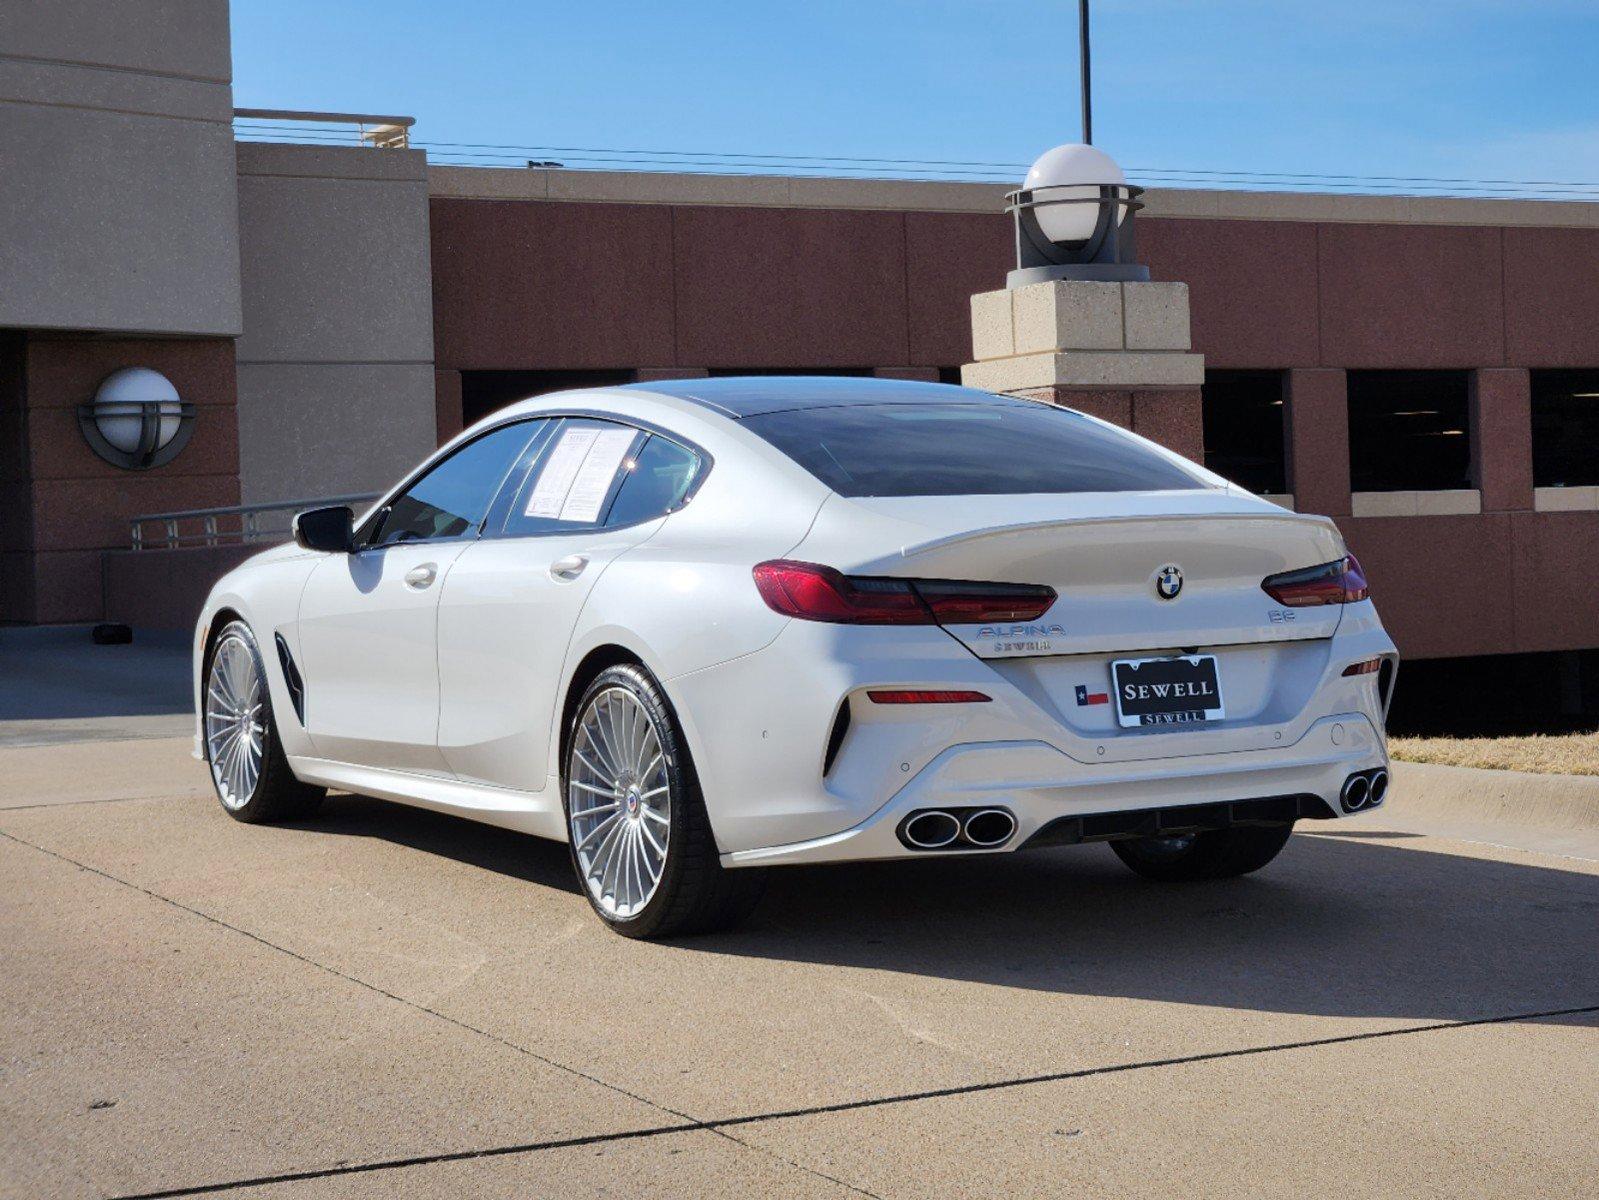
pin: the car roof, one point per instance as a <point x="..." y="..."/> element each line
<point x="754" y="395"/>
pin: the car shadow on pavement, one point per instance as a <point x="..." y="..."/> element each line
<point x="1349" y="923"/>
<point x="1346" y="926"/>
<point x="502" y="851"/>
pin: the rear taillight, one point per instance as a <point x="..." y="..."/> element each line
<point x="816" y="593"/>
<point x="920" y="697"/>
<point x="1338" y="582"/>
<point x="1366" y="666"/>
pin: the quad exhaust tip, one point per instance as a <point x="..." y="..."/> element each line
<point x="989" y="827"/>
<point x="942" y="829"/>
<point x="931" y="830"/>
<point x="1367" y="789"/>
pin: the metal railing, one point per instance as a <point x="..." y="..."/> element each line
<point x="238" y="525"/>
<point x="285" y="125"/>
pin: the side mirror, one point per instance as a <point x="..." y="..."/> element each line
<point x="331" y="530"/>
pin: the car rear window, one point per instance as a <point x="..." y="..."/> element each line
<point x="965" y="450"/>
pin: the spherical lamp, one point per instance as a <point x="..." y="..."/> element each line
<point x="1067" y="183"/>
<point x="1074" y="220"/>
<point x="137" y="419"/>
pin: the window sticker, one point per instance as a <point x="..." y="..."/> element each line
<point x="594" y="477"/>
<point x="576" y="478"/>
<point x="555" y="480"/>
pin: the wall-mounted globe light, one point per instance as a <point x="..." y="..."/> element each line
<point x="1074" y="219"/>
<point x="137" y="419"/>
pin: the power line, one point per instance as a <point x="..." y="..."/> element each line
<point x="964" y="170"/>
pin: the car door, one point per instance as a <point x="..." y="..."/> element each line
<point x="591" y="491"/>
<point x="368" y="620"/>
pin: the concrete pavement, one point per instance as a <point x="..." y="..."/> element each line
<point x="57" y="686"/>
<point x="387" y="1000"/>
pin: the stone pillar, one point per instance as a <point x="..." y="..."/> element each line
<point x="1501" y="438"/>
<point x="1119" y="351"/>
<point x="1317" y="417"/>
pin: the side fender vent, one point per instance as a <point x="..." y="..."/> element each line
<point x="291" y="677"/>
<point x="835" y="738"/>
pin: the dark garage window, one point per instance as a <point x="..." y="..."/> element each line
<point x="1244" y="428"/>
<point x="1408" y="431"/>
<point x="1565" y="428"/>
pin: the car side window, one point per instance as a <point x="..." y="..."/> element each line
<point x="452" y="499"/>
<point x="571" y="482"/>
<point x="654" y="482"/>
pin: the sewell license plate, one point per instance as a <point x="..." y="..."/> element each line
<point x="1167" y="691"/>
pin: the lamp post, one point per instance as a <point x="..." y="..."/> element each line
<point x="1074" y="212"/>
<point x="1082" y="56"/>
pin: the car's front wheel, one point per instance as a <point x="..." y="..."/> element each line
<point x="248" y="768"/>
<point x="1216" y="854"/>
<point x="639" y="835"/>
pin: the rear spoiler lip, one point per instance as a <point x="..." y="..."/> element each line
<point x="956" y="539"/>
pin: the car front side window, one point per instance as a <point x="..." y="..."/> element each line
<point x="451" y="499"/>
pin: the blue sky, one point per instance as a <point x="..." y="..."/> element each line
<point x="1497" y="89"/>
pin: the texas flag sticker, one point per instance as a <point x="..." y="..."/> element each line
<point x="1084" y="696"/>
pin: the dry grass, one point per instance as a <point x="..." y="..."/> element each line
<point x="1547" y="754"/>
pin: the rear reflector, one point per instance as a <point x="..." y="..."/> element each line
<point x="816" y="593"/>
<point x="1369" y="666"/>
<point x="928" y="697"/>
<point x="1338" y="582"/>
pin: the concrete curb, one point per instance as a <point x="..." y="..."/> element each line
<point x="1556" y="814"/>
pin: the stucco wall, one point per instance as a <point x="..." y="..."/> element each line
<point x="336" y="364"/>
<point x="118" y="210"/>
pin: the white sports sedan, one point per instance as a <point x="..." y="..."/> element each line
<point x="701" y="628"/>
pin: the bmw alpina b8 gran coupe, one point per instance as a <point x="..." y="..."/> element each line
<point x="701" y="628"/>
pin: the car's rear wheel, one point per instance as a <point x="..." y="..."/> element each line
<point x="248" y="768"/>
<point x="1216" y="854"/>
<point x="639" y="835"/>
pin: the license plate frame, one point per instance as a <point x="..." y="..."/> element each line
<point x="1195" y="699"/>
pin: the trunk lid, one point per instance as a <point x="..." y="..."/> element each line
<point x="1102" y="554"/>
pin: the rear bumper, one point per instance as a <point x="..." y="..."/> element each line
<point x="1048" y="793"/>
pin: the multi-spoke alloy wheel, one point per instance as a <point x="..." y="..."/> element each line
<point x="619" y="802"/>
<point x="252" y="774"/>
<point x="235" y="720"/>
<point x="641" y="839"/>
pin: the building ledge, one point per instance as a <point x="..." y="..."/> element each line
<point x="1565" y="499"/>
<point x="1444" y="503"/>
<point x="920" y="195"/>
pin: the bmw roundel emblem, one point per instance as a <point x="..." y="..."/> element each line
<point x="1169" y="581"/>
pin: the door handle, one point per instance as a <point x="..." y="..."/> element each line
<point x="422" y="576"/>
<point x="569" y="567"/>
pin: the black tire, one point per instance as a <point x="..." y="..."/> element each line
<point x="694" y="893"/>
<point x="1217" y="854"/>
<point x="276" y="794"/>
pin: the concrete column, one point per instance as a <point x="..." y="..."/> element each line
<point x="1174" y="417"/>
<point x="1119" y="351"/>
<point x="1115" y="407"/>
<point x="1501" y="437"/>
<point x="920" y="374"/>
<point x="1317" y="420"/>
